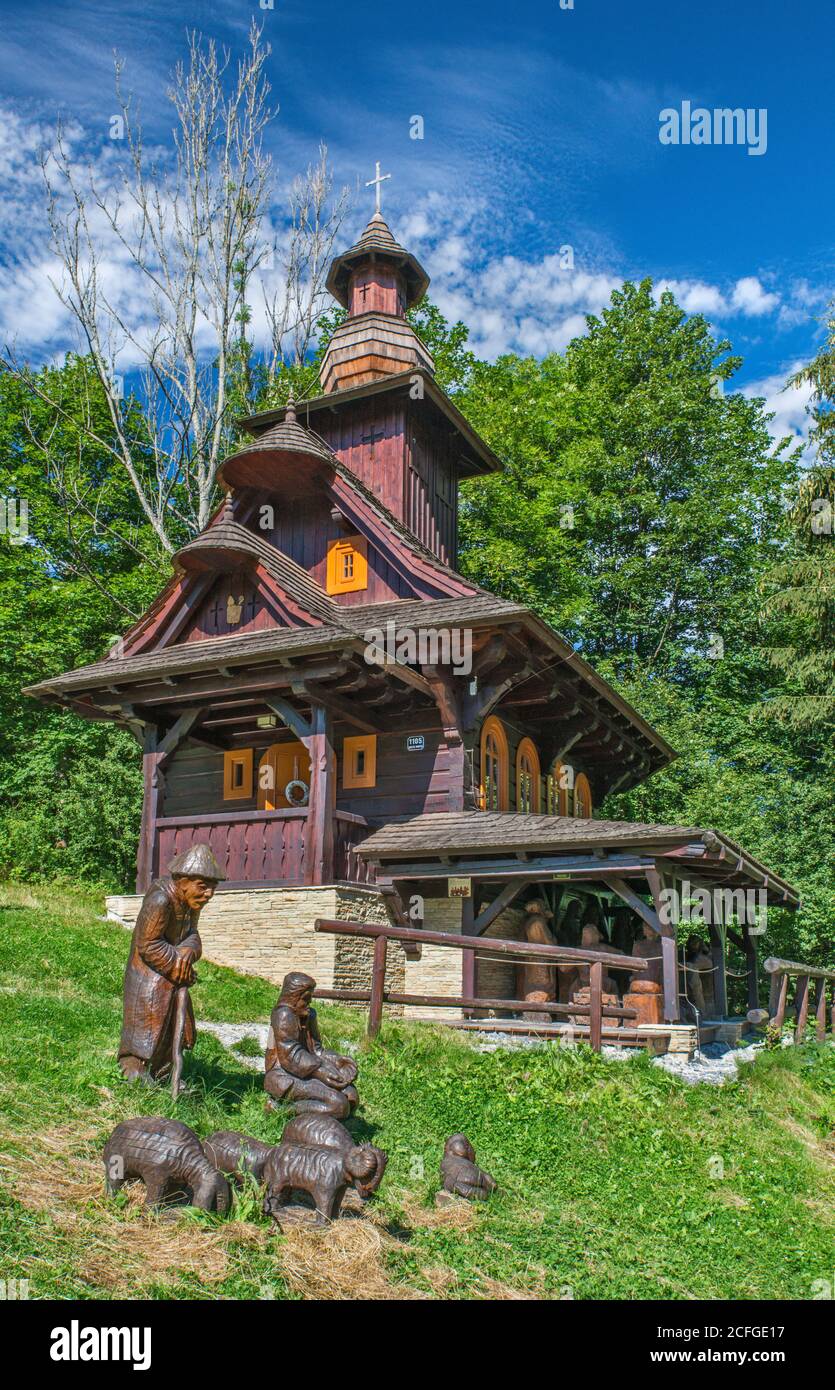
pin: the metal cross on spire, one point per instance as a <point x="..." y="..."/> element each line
<point x="377" y="182"/>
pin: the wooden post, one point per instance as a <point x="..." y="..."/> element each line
<point x="751" y="963"/>
<point x="378" y="985"/>
<point x="596" y="1005"/>
<point x="820" y="1011"/>
<point x="720" y="984"/>
<point x="669" y="947"/>
<point x="468" y="962"/>
<point x="150" y="808"/>
<point x="318" y="846"/>
<point x="782" y="996"/>
<point x="801" y="1003"/>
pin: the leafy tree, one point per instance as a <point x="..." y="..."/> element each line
<point x="639" y="499"/>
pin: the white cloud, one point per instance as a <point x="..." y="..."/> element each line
<point x="751" y="299"/>
<point x="788" y="404"/>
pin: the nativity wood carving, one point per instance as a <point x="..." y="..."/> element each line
<point x="158" y="1019"/>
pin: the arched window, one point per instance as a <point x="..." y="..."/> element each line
<point x="582" y="797"/>
<point x="560" y="790"/>
<point x="494" y="766"/>
<point x="527" y="777"/>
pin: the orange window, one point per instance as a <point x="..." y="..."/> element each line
<point x="347" y="565"/>
<point x="359" y="761"/>
<point x="494" y="766"/>
<point x="237" y="775"/>
<point x="582" y="797"/>
<point x="527" y="777"/>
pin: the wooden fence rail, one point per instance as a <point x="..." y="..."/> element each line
<point x="381" y="933"/>
<point x="781" y="971"/>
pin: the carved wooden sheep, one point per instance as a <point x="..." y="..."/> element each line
<point x="324" y="1174"/>
<point x="235" y="1154"/>
<point x="166" y="1155"/>
<point x="326" y="1132"/>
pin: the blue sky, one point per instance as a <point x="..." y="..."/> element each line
<point x="541" y="130"/>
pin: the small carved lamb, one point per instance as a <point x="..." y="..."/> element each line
<point x="460" y="1174"/>
<point x="324" y="1174"/>
<point x="166" y="1155"/>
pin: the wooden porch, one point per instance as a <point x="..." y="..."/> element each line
<point x="264" y="849"/>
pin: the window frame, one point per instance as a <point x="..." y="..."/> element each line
<point x="238" y="758"/>
<point x="528" y="750"/>
<point x="357" y="548"/>
<point x="582" y="783"/>
<point x="493" y="726"/>
<point x="354" y="744"/>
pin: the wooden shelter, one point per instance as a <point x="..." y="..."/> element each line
<point x="325" y="700"/>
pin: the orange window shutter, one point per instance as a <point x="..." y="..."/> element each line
<point x="359" y="761"/>
<point x="237" y="775"/>
<point x="347" y="568"/>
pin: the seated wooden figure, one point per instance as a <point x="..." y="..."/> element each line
<point x="298" y="1069"/>
<point x="698" y="977"/>
<point x="157" y="1019"/>
<point x="461" y="1175"/>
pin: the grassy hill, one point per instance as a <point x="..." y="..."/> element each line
<point x="616" y="1181"/>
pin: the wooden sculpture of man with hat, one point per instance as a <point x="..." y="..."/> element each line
<point x="158" y="1020"/>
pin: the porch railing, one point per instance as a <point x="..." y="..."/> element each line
<point x="781" y="972"/>
<point x="382" y="933"/>
<point x="268" y="847"/>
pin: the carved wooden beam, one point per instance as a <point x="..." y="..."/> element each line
<point x="352" y="713"/>
<point x="289" y="716"/>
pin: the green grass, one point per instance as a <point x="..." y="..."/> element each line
<point x="615" y="1180"/>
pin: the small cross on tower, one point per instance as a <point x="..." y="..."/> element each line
<point x="376" y="183"/>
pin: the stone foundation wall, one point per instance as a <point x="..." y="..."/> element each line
<point x="269" y="931"/>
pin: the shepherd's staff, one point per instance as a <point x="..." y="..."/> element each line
<point x="180" y="1011"/>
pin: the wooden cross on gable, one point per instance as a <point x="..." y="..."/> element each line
<point x="377" y="183"/>
<point x="373" y="437"/>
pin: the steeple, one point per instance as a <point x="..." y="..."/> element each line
<point x="376" y="280"/>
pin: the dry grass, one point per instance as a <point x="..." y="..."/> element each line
<point x="121" y="1249"/>
<point x="344" y="1261"/>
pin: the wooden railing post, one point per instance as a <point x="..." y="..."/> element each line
<point x="801" y="1003"/>
<point x="782" y="996"/>
<point x="596" y="1004"/>
<point x="820" y="1011"/>
<point x="378" y="985"/>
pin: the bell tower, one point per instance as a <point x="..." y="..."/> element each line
<point x="376" y="280"/>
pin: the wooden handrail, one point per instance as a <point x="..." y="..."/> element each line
<point x="382" y="932"/>
<point x="775" y="966"/>
<point x="440" y="1001"/>
<point x="520" y="950"/>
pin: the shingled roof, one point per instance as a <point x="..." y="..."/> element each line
<point x="437" y="836"/>
<point x="377" y="242"/>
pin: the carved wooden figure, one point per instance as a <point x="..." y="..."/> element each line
<point x="297" y="1068"/>
<point x="167" y="1156"/>
<point x="324" y="1132"/>
<point x="460" y="1174"/>
<point x="537" y="982"/>
<point x="324" y="1174"/>
<point x="158" y="1020"/>
<point x="235" y="1154"/>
